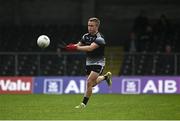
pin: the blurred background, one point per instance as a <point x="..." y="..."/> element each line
<point x="142" y="36"/>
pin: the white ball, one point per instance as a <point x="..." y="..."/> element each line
<point x="43" y="41"/>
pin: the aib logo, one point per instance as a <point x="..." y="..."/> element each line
<point x="53" y="86"/>
<point x="131" y="86"/>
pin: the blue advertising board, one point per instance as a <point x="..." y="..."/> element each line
<point x="121" y="85"/>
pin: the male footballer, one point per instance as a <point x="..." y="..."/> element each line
<point x="93" y="43"/>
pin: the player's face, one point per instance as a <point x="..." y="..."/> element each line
<point x="92" y="27"/>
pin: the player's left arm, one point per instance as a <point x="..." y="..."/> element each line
<point x="88" y="48"/>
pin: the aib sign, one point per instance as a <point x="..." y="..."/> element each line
<point x="53" y="86"/>
<point x="131" y="86"/>
<point x="150" y="85"/>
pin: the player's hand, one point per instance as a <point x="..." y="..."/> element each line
<point x="71" y="47"/>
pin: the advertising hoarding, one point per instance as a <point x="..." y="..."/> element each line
<point x="77" y="85"/>
<point x="16" y="85"/>
<point x="121" y="85"/>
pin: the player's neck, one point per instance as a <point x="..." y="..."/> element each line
<point x="94" y="33"/>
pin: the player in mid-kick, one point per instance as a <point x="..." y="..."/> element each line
<point x="93" y="43"/>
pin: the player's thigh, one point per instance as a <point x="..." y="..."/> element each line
<point x="92" y="77"/>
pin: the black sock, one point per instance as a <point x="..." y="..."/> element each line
<point x="85" y="100"/>
<point x="105" y="77"/>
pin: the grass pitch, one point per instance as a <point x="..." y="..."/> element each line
<point x="100" y="107"/>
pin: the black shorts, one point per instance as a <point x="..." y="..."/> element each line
<point x="96" y="68"/>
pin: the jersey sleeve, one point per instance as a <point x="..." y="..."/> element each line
<point x="100" y="41"/>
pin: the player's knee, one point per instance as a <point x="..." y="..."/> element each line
<point x="89" y="84"/>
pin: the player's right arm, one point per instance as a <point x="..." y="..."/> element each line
<point x="73" y="47"/>
<point x="88" y="48"/>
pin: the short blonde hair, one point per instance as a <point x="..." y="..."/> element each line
<point x="96" y="20"/>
